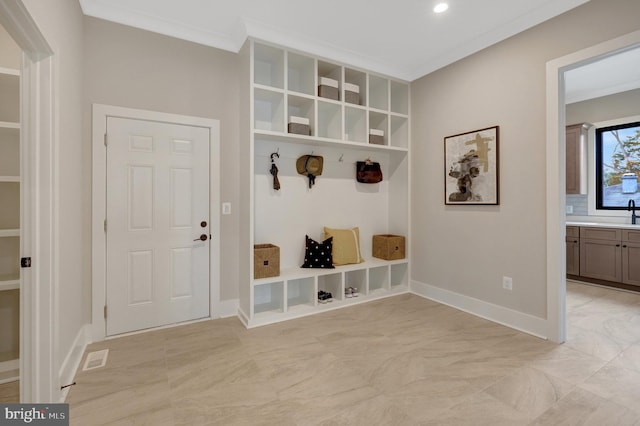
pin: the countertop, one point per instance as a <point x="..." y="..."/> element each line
<point x="603" y="224"/>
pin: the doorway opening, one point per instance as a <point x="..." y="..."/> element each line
<point x="556" y="178"/>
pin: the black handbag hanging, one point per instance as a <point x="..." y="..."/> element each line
<point x="368" y="172"/>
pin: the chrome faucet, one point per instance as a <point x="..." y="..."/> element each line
<point x="632" y="207"/>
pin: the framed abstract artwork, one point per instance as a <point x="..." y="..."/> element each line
<point x="471" y="167"/>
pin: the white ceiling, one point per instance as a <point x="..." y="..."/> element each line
<point x="613" y="74"/>
<point x="400" y="38"/>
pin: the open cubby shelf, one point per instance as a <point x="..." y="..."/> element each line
<point x="293" y="293"/>
<point x="9" y="222"/>
<point x="335" y="119"/>
<point x="285" y="83"/>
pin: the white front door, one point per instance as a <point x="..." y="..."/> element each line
<point x="157" y="211"/>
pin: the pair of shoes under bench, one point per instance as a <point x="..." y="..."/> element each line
<point x="351" y="292"/>
<point x="324" y="297"/>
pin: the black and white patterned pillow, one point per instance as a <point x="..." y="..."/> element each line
<point x="318" y="255"/>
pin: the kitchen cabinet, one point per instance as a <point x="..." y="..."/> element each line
<point x="604" y="254"/>
<point x="576" y="162"/>
<point x="601" y="253"/>
<point x="631" y="257"/>
<point x="600" y="259"/>
<point x="573" y="250"/>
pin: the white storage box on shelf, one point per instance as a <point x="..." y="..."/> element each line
<point x="352" y="93"/>
<point x="376" y="136"/>
<point x="299" y="125"/>
<point x="328" y="88"/>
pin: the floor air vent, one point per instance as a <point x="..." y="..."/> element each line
<point x="95" y="360"/>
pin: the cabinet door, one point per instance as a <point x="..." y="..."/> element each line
<point x="601" y="259"/>
<point x="573" y="256"/>
<point x="631" y="263"/>
<point x="575" y="153"/>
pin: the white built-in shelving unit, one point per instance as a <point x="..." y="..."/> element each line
<point x="9" y="222"/>
<point x="281" y="83"/>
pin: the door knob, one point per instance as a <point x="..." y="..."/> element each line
<point x="202" y="237"/>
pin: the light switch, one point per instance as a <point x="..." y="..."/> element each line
<point x="226" y="208"/>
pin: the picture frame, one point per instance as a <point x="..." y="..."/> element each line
<point x="471" y="167"/>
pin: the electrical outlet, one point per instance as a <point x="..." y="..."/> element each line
<point x="569" y="209"/>
<point x="226" y="208"/>
<point x="507" y="283"/>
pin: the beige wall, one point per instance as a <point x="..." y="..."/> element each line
<point x="138" y="69"/>
<point x="61" y="23"/>
<point x="467" y="249"/>
<point x="620" y="105"/>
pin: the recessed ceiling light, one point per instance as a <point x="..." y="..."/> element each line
<point x="440" y="7"/>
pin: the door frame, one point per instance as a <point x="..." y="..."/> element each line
<point x="98" y="211"/>
<point x="39" y="379"/>
<point x="556" y="158"/>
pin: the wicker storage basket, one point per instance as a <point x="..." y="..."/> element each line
<point x="388" y="247"/>
<point x="266" y="261"/>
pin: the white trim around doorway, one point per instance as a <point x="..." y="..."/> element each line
<point x="99" y="181"/>
<point x="39" y="381"/>
<point x="556" y="157"/>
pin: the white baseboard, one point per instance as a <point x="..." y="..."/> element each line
<point x="244" y="318"/>
<point x="227" y="308"/>
<point x="508" y="317"/>
<point x="73" y="359"/>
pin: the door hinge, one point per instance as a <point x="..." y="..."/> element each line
<point x="105" y="311"/>
<point x="105" y="225"/>
<point x="25" y="262"/>
<point x="105" y="139"/>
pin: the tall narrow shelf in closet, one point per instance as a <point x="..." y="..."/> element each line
<point x="281" y="83"/>
<point x="9" y="223"/>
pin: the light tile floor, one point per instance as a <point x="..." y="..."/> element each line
<point x="398" y="361"/>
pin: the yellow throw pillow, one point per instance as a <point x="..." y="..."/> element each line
<point x="346" y="245"/>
